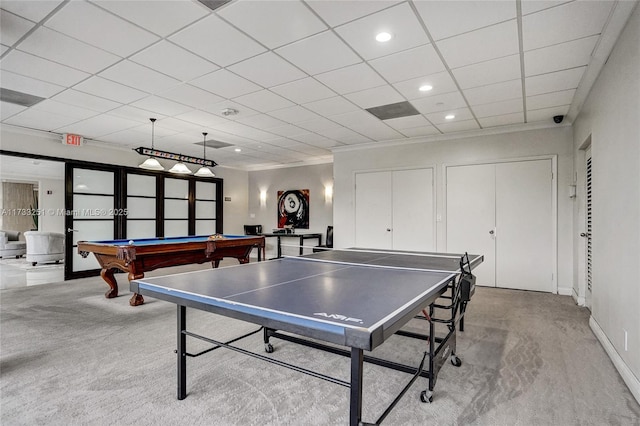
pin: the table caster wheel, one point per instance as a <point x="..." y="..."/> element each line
<point x="426" y="396"/>
<point x="268" y="348"/>
<point x="456" y="361"/>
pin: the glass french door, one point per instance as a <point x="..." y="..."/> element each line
<point x="91" y="213"/>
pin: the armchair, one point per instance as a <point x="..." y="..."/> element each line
<point x="328" y="242"/>
<point x="44" y="247"/>
<point x="10" y="244"/>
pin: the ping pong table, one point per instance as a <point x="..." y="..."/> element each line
<point x="354" y="298"/>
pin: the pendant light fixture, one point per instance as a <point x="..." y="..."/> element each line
<point x="180" y="169"/>
<point x="151" y="163"/>
<point x="204" y="171"/>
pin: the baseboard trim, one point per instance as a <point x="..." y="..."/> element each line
<point x="563" y="291"/>
<point x="580" y="301"/>
<point x="625" y="372"/>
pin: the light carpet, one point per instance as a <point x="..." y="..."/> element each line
<point x="71" y="357"/>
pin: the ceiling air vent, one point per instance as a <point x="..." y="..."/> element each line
<point x="214" y="4"/>
<point x="214" y="144"/>
<point x="397" y="110"/>
<point x="18" y="98"/>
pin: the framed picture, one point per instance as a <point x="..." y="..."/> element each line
<point x="293" y="209"/>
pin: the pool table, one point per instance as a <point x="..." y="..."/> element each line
<point x="141" y="255"/>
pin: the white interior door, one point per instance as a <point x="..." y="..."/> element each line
<point x="373" y="210"/>
<point x="412" y="210"/>
<point x="471" y="216"/>
<point x="524" y="234"/>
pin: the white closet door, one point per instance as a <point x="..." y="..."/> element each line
<point x="373" y="210"/>
<point x="412" y="209"/>
<point x="524" y="235"/>
<point x="471" y="216"/>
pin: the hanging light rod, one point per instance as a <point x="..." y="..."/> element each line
<point x="175" y="157"/>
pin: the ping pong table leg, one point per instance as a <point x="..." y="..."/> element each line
<point x="355" y="409"/>
<point x="181" y="352"/>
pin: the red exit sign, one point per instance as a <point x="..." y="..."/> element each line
<point x="71" y="139"/>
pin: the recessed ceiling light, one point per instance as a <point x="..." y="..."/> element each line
<point x="383" y="37"/>
<point x="425" y="88"/>
<point x="237" y="150"/>
<point x="449" y="117"/>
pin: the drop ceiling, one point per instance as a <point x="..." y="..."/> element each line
<point x="301" y="74"/>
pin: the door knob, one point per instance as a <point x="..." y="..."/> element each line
<point x="491" y="232"/>
<point x="72" y="230"/>
<point x="388" y="229"/>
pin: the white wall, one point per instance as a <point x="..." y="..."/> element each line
<point x="555" y="141"/>
<point x="52" y="219"/>
<point x="27" y="141"/>
<point x="314" y="178"/>
<point x="610" y="120"/>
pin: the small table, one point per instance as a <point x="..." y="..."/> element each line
<point x="141" y="255"/>
<point x="301" y="237"/>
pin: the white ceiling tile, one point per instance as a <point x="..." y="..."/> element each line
<point x="66" y="110"/>
<point x="441" y="83"/>
<point x="202" y="118"/>
<point x="177" y="125"/>
<point x="65" y="50"/>
<point x="413" y="132"/>
<point x="95" y="127"/>
<point x="352" y="78"/>
<point x="438" y="118"/>
<point x="263" y="101"/>
<point x="29" y="85"/>
<point x="294" y="114"/>
<point x="87" y="22"/>
<point x="288" y="130"/>
<point x="546" y="114"/>
<point x="173" y="61"/>
<point x="494" y="92"/>
<point x="316" y="140"/>
<point x="553" y="82"/>
<point x="502" y="120"/>
<point x="143" y="78"/>
<point x="498" y="108"/>
<point x="551" y="26"/>
<point x="166" y="16"/>
<point x="409" y="64"/>
<point x="85" y="100"/>
<point x="339" y="12"/>
<point x="458" y="126"/>
<point x="274" y="23"/>
<point x="319" y="125"/>
<point x="224" y="44"/>
<point x="399" y="21"/>
<point x="550" y="99"/>
<point x="561" y="56"/>
<point x="407" y="122"/>
<point x="305" y="53"/>
<point x="488" y="72"/>
<point x="136" y="114"/>
<point x="438" y="103"/>
<point x="331" y="106"/>
<point x="32" y="10"/>
<point x="46" y="120"/>
<point x="192" y="96"/>
<point x="304" y="90"/>
<point x="448" y="18"/>
<point x="41" y="69"/>
<point x="243" y="110"/>
<point x="3" y="49"/>
<point x="225" y="84"/>
<point x="13" y="27"/>
<point x="359" y="118"/>
<point x="110" y="90"/>
<point x="378" y="131"/>
<point x="7" y="110"/>
<point x="531" y="6"/>
<point x="261" y="121"/>
<point x="382" y="95"/>
<point x="344" y="135"/>
<point x="267" y="70"/>
<point x="481" y="45"/>
<point x="130" y="137"/>
<point x="160" y="105"/>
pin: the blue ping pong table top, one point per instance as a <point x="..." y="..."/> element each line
<point x="356" y="305"/>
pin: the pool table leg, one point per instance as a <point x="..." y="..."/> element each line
<point x="107" y="276"/>
<point x="136" y="299"/>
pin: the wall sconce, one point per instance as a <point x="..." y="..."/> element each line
<point x="263" y="198"/>
<point x="328" y="194"/>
